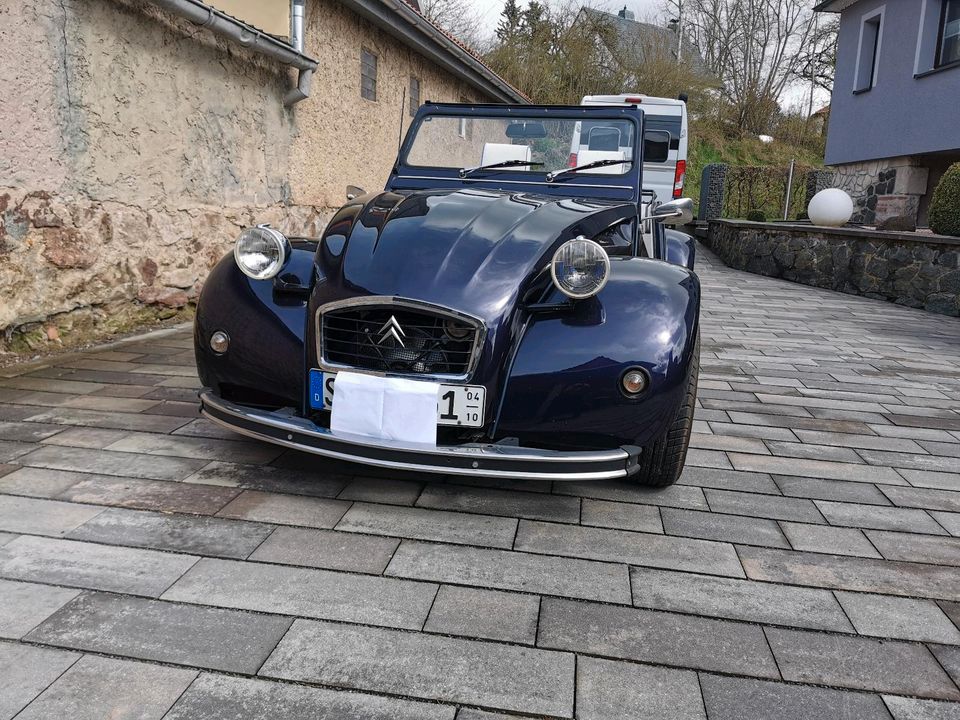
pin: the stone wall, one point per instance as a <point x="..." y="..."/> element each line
<point x="921" y="271"/>
<point x="712" y="183"/>
<point x="134" y="146"/>
<point x="865" y="182"/>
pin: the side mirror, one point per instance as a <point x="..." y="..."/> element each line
<point x="353" y="191"/>
<point x="675" y="212"/>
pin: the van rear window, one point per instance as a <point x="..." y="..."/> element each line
<point x="594" y="133"/>
<point x="670" y="125"/>
<point x="597" y="133"/>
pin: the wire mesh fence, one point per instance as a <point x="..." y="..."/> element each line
<point x="761" y="192"/>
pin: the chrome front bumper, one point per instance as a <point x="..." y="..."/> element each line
<point x="283" y="428"/>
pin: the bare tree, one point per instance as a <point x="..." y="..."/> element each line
<point x="458" y="17"/>
<point x="819" y="57"/>
<point x="557" y="52"/>
<point x="753" y="46"/>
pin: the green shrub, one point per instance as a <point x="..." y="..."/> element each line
<point x="756" y="216"/>
<point x="803" y="215"/>
<point x="945" y="203"/>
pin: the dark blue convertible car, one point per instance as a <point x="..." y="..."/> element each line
<point x="502" y="308"/>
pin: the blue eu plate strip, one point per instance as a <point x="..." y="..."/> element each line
<point x="316" y="389"/>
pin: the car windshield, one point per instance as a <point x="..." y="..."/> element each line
<point x="470" y="142"/>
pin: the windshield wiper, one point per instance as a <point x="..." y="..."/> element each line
<point x="551" y="176"/>
<point x="505" y="163"/>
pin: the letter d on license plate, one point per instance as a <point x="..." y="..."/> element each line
<point x="457" y="405"/>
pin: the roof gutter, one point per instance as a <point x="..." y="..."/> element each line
<point x="833" y="6"/>
<point x="253" y="39"/>
<point x="420" y="34"/>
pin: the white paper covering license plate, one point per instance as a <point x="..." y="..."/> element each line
<point x="456" y="404"/>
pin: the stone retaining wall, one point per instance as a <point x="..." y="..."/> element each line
<point x="73" y="268"/>
<point x="921" y="271"/>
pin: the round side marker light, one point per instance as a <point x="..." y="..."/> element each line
<point x="634" y="382"/>
<point x="219" y="342"/>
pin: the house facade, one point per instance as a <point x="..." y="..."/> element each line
<point x="137" y="138"/>
<point x="894" y="123"/>
<point x="623" y="41"/>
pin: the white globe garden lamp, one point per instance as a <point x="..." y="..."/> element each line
<point x="831" y="207"/>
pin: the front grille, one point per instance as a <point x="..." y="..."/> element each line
<point x="400" y="339"/>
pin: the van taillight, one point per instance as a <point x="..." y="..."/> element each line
<point x="572" y="162"/>
<point x="634" y="101"/>
<point x="678" y="178"/>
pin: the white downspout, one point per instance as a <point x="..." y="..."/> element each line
<point x="297" y="34"/>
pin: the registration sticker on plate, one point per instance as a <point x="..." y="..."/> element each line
<point x="457" y="405"/>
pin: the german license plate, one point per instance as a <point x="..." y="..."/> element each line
<point x="456" y="404"/>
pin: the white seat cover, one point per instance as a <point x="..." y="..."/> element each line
<point x="500" y="152"/>
<point x="589" y="156"/>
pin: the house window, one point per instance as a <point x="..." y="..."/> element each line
<point x="949" y="46"/>
<point x="368" y="74"/>
<point x="871" y="27"/>
<point x="414" y="95"/>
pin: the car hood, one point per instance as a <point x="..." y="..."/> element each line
<point x="475" y="251"/>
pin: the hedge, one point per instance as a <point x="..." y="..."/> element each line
<point x="944" y="215"/>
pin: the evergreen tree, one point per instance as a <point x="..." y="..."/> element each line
<point x="509" y="26"/>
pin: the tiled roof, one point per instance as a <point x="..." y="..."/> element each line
<point x="415" y="5"/>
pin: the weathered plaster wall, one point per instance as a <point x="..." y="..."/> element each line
<point x="31" y="144"/>
<point x="913" y="270"/>
<point x="344" y="139"/>
<point x="134" y="146"/>
<point x="130" y="154"/>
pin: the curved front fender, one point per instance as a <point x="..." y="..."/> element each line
<point x="266" y="329"/>
<point x="681" y="248"/>
<point x="564" y="383"/>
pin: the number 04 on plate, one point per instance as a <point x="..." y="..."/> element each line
<point x="457" y="405"/>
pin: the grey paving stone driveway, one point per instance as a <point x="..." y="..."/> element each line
<point x="807" y="565"/>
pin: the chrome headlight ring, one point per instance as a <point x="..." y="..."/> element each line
<point x="580" y="268"/>
<point x="261" y="252"/>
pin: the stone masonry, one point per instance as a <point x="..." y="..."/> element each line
<point x="908" y="269"/>
<point x="134" y="146"/>
<point x="866" y="181"/>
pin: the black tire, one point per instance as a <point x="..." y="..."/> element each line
<point x="662" y="462"/>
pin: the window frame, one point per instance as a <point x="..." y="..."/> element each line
<point x="871" y="19"/>
<point x="370" y="94"/>
<point x="941" y="36"/>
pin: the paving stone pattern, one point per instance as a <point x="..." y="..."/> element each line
<point x="807" y="565"/>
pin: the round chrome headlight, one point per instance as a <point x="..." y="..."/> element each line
<point x="260" y="252"/>
<point x="580" y="268"/>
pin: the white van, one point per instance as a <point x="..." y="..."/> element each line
<point x="664" y="142"/>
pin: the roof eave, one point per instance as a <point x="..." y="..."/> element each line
<point x="833" y="6"/>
